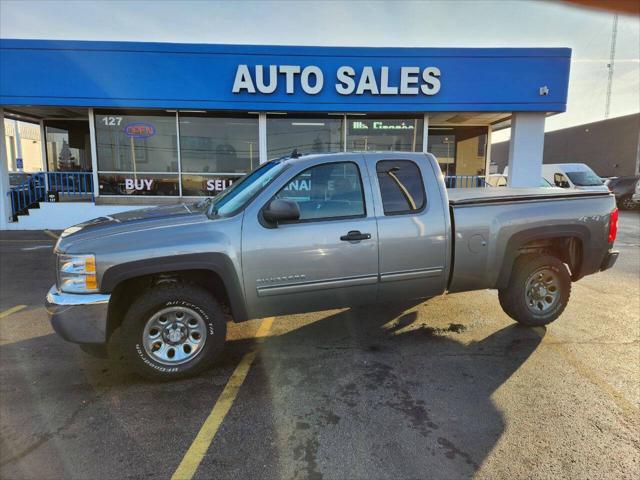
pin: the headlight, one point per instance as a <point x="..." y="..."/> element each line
<point x="77" y="273"/>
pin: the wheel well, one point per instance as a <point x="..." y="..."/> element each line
<point x="128" y="290"/>
<point x="568" y="249"/>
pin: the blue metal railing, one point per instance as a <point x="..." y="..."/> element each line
<point x="464" y="181"/>
<point x="27" y="193"/>
<point x="70" y="183"/>
<point x="35" y="187"/>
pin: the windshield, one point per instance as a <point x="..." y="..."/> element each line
<point x="237" y="196"/>
<point x="584" y="179"/>
<point x="545" y="183"/>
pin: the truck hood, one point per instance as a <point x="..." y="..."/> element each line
<point x="131" y="221"/>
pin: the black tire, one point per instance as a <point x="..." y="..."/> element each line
<point x="168" y="296"/>
<point x="514" y="300"/>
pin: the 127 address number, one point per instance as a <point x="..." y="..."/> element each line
<point x="111" y="121"/>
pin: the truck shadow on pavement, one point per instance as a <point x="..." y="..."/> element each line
<point x="363" y="393"/>
<point x="373" y="393"/>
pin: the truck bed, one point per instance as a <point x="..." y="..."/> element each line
<point x="470" y="196"/>
<point x="487" y="223"/>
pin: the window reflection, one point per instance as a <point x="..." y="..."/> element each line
<point x="384" y="133"/>
<point x="327" y="191"/>
<point x="136" y="142"/>
<point x="68" y="146"/>
<point x="459" y="150"/>
<point x="206" y="185"/>
<point x="317" y="134"/>
<point x="138" y="184"/>
<point x="214" y="144"/>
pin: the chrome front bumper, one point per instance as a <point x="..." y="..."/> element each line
<point x="78" y="318"/>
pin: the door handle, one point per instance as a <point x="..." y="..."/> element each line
<point x="355" y="235"/>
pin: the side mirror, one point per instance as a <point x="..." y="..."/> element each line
<point x="281" y="211"/>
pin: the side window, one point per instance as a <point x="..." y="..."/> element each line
<point x="401" y="186"/>
<point x="328" y="191"/>
<point x="560" y="180"/>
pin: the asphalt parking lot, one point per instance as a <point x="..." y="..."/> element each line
<point x="450" y="388"/>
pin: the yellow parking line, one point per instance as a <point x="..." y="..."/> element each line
<point x="51" y="234"/>
<point x="11" y="310"/>
<point x="198" y="449"/>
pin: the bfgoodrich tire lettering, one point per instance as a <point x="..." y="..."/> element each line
<point x="538" y="290"/>
<point x="169" y="298"/>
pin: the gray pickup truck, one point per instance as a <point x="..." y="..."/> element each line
<point x="317" y="232"/>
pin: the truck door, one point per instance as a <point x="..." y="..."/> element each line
<point x="326" y="259"/>
<point x="412" y="227"/>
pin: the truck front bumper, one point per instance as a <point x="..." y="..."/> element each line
<point x="78" y="318"/>
<point x="609" y="260"/>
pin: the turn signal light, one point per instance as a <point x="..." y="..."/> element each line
<point x="91" y="282"/>
<point x="90" y="264"/>
<point x="613" y="225"/>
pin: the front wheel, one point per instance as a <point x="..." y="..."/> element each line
<point x="538" y="291"/>
<point x="173" y="331"/>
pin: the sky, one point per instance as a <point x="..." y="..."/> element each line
<point x="503" y="23"/>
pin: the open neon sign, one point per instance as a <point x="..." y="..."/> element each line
<point x="139" y="130"/>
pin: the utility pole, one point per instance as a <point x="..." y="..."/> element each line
<point x="612" y="58"/>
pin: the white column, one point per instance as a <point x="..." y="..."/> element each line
<point x="262" y="137"/>
<point x="179" y="154"/>
<point x="344" y="132"/>
<point x="94" y="153"/>
<point x="487" y="152"/>
<point x="5" y="201"/>
<point x="425" y="133"/>
<point x="43" y="155"/>
<point x="43" y="146"/>
<point x="526" y="148"/>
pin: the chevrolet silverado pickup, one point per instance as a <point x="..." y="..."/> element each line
<point x="318" y="232"/>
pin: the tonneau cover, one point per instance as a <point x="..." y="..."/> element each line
<point x="470" y="196"/>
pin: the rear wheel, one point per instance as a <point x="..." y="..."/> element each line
<point x="538" y="291"/>
<point x="173" y="331"/>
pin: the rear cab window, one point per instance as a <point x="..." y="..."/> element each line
<point x="401" y="187"/>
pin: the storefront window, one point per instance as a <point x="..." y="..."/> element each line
<point x="134" y="142"/>
<point x="459" y="150"/>
<point x="206" y="185"/>
<point x="317" y="134"/>
<point x="130" y="183"/>
<point x="137" y="153"/>
<point x="68" y="146"/>
<point x="138" y="150"/>
<point x="384" y="133"/>
<point x="216" y="151"/>
<point x="442" y="144"/>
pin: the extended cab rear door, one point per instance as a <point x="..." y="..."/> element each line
<point x="413" y="225"/>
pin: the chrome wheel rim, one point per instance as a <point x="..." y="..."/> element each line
<point x="174" y="335"/>
<point x="542" y="291"/>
